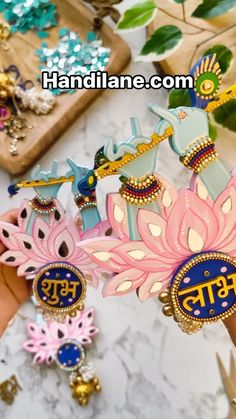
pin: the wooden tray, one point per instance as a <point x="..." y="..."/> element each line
<point x="47" y="129"/>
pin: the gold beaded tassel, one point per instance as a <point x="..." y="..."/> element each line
<point x="84" y="383"/>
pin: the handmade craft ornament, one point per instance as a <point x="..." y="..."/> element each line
<point x="64" y="345"/>
<point x="44" y="245"/>
<point x="184" y="249"/>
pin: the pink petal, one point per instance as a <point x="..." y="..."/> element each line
<point x="137" y="254"/>
<point x="118" y="217"/>
<point x="59" y="332"/>
<point x="152" y="229"/>
<point x="7" y="235"/>
<point x="167" y="198"/>
<point x="40" y="233"/>
<point x="34" y="330"/>
<point x="24" y="215"/>
<point x="40" y="357"/>
<point x="58" y="215"/>
<point x="124" y="283"/>
<point x="225" y="210"/>
<point x="13" y="258"/>
<point x="100" y="251"/>
<point x="99" y="230"/>
<point x="190" y="213"/>
<point x="197" y="186"/>
<point x="28" y="268"/>
<point x="27" y="245"/>
<point x="153" y="285"/>
<point x="30" y="346"/>
<point x="62" y="240"/>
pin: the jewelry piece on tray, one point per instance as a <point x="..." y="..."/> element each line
<point x="16" y="96"/>
<point x="64" y="344"/>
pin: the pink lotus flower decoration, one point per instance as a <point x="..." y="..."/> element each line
<point x="51" y="241"/>
<point x="45" y="340"/>
<point x="189" y="223"/>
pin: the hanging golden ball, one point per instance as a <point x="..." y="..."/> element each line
<point x="164" y="297"/>
<point x="167" y="310"/>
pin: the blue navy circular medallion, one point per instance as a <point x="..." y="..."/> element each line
<point x="204" y="287"/>
<point x="59" y="287"/>
<point x="70" y="355"/>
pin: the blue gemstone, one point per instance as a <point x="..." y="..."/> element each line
<point x="69" y="355"/>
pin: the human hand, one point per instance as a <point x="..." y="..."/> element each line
<point x="14" y="290"/>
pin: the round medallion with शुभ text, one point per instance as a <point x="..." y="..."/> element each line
<point x="70" y="355"/>
<point x="203" y="289"/>
<point x="59" y="287"/>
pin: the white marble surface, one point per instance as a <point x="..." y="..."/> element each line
<point x="148" y="368"/>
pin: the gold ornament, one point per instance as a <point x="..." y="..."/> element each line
<point x="4" y="35"/>
<point x="7" y="86"/>
<point x="9" y="389"/>
<point x="82" y="391"/>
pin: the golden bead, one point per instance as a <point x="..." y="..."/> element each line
<point x="164" y="297"/>
<point x="3" y="94"/>
<point x="167" y="310"/>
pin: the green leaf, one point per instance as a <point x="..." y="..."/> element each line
<point x="224" y="56"/>
<point x="212" y="131"/>
<point x="179" y="97"/>
<point x="226" y="115"/>
<point x="213" y="8"/>
<point x="179" y="1"/>
<point x="163" y="42"/>
<point x="138" y="16"/>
